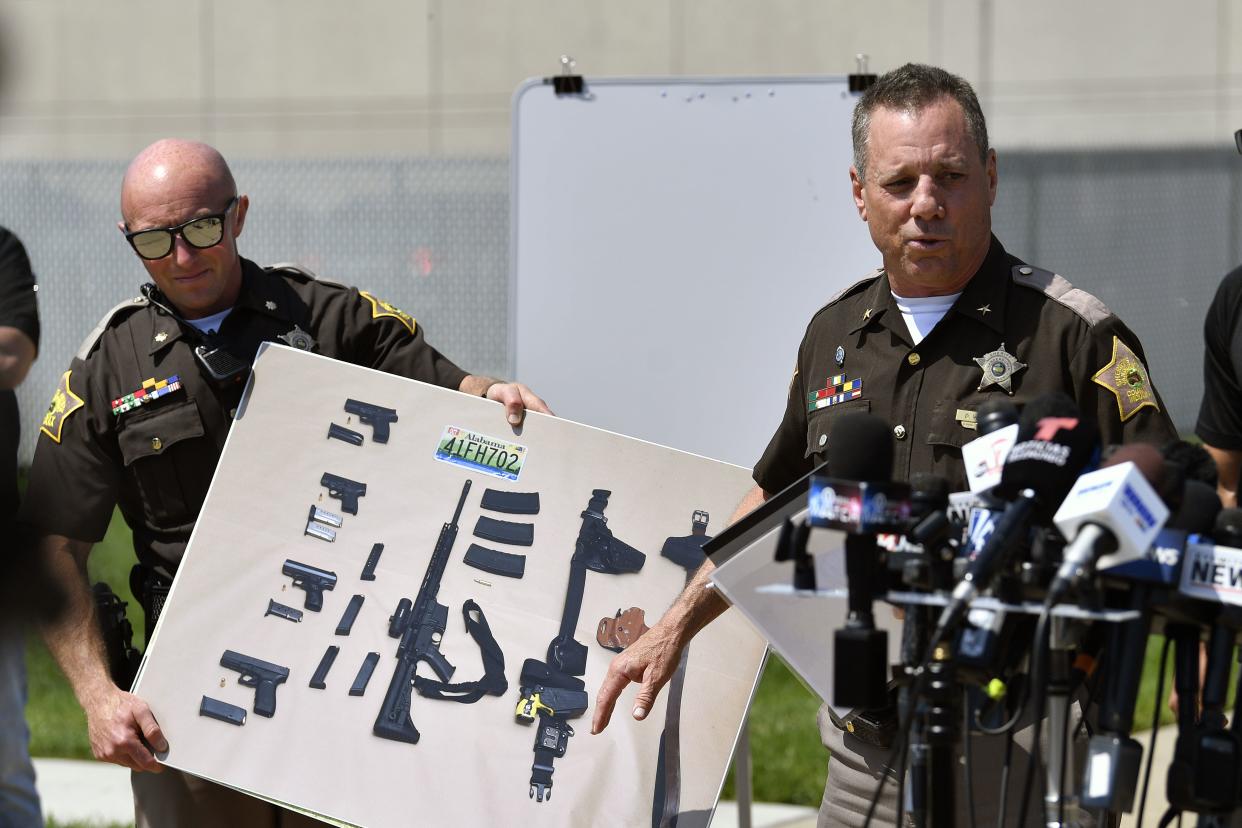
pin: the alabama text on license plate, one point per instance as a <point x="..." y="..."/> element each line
<point x="490" y="455"/>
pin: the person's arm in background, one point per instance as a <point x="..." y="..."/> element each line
<point x="121" y="726"/>
<point x="19" y="313"/>
<point x="653" y="658"/>
<point x="17" y="354"/>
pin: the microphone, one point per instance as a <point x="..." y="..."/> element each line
<point x="1054" y="444"/>
<point x="1110" y="515"/>
<point x="860" y="500"/>
<point x="984" y="456"/>
<point x="1113" y="758"/>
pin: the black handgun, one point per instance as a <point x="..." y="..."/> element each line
<point x="312" y="579"/>
<point x="345" y="490"/>
<point x="376" y="416"/>
<point x="263" y="676"/>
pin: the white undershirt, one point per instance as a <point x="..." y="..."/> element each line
<point x="922" y="314"/>
<point x="210" y="324"/>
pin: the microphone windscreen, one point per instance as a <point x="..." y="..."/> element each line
<point x="1055" y="444"/>
<point x="928" y="493"/>
<point x="1199" y="511"/>
<point x="1145" y="456"/>
<point x="1228" y="527"/>
<point x="860" y="447"/>
<point x="1193" y="459"/>
<point x="994" y="415"/>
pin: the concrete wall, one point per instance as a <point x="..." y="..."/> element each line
<point x="101" y="78"/>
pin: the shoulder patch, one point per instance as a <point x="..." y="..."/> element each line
<point x="380" y="308"/>
<point x="129" y="305"/>
<point x="300" y="273"/>
<point x="1057" y="288"/>
<point x="861" y="283"/>
<point x="1126" y="377"/>
<point x="64" y="402"/>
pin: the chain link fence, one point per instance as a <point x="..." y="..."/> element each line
<point x="1148" y="231"/>
<point x="429" y="236"/>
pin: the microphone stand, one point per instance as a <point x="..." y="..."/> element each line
<point x="1060" y="805"/>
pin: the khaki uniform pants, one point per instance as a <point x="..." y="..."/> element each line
<point x="855" y="769"/>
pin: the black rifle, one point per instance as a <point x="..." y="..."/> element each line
<point x="376" y="416"/>
<point x="263" y="676"/>
<point x="551" y="690"/>
<point x="420" y="626"/>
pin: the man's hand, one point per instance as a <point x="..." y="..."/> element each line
<point x="514" y="396"/>
<point x="123" y="731"/>
<point x="651" y="660"/>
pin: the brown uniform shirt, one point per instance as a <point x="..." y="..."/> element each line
<point x="858" y="355"/>
<point x="156" y="460"/>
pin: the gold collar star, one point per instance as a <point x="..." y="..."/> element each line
<point x="161" y="336"/>
<point x="867" y="314"/>
<point x="985" y="310"/>
<point x="270" y="305"/>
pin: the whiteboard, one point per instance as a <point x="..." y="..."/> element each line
<point x="671" y="239"/>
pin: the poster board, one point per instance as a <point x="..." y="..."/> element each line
<point x="671" y="239"/>
<point x="473" y="762"/>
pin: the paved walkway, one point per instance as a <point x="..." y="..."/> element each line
<point x="94" y="792"/>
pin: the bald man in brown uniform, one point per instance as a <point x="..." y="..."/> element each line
<point x="950" y="321"/>
<point x="182" y="215"/>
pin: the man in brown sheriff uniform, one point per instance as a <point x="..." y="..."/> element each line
<point x="949" y="321"/>
<point x="140" y="418"/>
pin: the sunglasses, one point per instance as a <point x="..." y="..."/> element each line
<point x="201" y="233"/>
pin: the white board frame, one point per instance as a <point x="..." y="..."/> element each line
<point x="738" y="189"/>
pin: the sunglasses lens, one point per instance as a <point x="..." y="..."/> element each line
<point x="153" y="244"/>
<point x="204" y="232"/>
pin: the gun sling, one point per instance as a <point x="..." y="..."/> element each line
<point x="492" y="683"/>
<point x="687" y="552"/>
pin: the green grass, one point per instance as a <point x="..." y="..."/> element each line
<point x="788" y="762"/>
<point x="53" y="823"/>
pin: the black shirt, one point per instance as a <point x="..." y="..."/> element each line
<point x="19" y="310"/>
<point x="1220" y="414"/>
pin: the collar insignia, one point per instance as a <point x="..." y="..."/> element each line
<point x="867" y="314"/>
<point x="270" y="305"/>
<point x="381" y="308"/>
<point x="1126" y="377"/>
<point x="64" y="402"/>
<point x="838" y="390"/>
<point x="161" y="336"/>
<point x="298" y="338"/>
<point x="840" y="355"/>
<point x="150" y="391"/>
<point x="985" y="310"/>
<point x="999" y="368"/>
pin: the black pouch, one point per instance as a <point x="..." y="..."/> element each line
<point x="118" y="636"/>
<point x="875" y="727"/>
